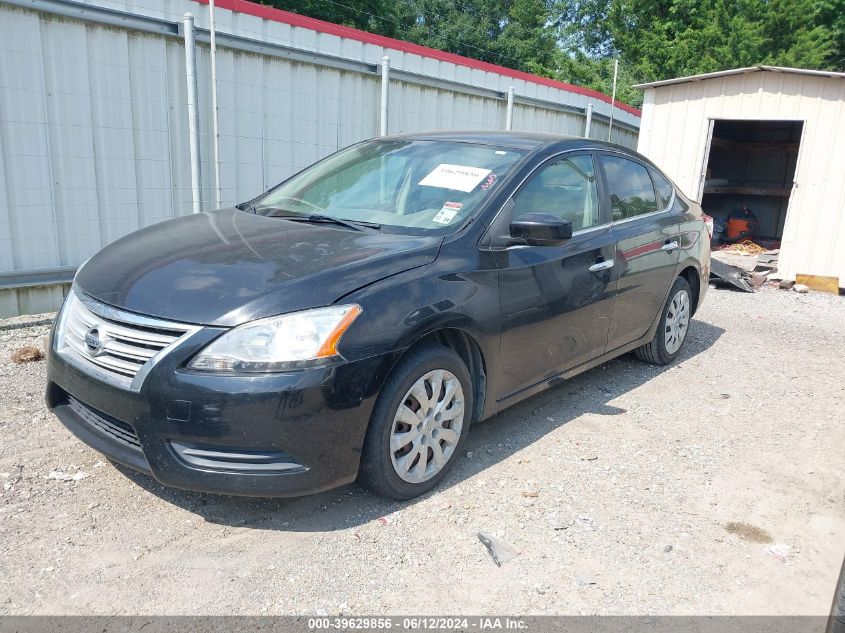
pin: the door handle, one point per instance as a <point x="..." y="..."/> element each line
<point x="602" y="265"/>
<point x="669" y="246"/>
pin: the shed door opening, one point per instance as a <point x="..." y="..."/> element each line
<point x="749" y="178"/>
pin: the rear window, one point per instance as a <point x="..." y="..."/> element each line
<point x="664" y="189"/>
<point x="630" y="188"/>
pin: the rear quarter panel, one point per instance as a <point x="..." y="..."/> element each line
<point x="695" y="246"/>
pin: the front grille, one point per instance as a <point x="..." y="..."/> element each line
<point x="124" y="344"/>
<point x="115" y="429"/>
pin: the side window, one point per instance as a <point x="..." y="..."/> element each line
<point x="664" y="188"/>
<point x="565" y="188"/>
<point x="629" y="187"/>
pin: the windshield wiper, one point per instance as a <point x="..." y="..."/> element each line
<point x="316" y="218"/>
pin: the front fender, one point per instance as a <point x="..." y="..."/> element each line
<point x="402" y="309"/>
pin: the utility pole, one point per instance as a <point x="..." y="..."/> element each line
<point x="509" y="111"/>
<point x="613" y="97"/>
<point x="193" y="111"/>
<point x="215" y="123"/>
<point x="385" y="84"/>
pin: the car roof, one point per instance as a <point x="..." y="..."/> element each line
<point x="516" y="140"/>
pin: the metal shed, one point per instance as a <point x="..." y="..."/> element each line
<point x="765" y="139"/>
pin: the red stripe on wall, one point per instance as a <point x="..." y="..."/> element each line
<point x="294" y="19"/>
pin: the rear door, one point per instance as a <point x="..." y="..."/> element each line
<point x="647" y="236"/>
<point x="556" y="301"/>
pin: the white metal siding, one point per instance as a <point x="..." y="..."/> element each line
<point x="674" y="132"/>
<point x="94" y="134"/>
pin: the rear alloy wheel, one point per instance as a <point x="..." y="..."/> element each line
<point x="673" y="327"/>
<point x="418" y="425"/>
<point x="677" y="321"/>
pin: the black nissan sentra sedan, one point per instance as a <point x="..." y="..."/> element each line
<point x="355" y="320"/>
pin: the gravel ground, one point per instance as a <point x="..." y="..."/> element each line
<point x="716" y="485"/>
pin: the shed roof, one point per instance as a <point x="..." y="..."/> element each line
<point x="740" y="71"/>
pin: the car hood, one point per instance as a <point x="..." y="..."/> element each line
<point x="229" y="267"/>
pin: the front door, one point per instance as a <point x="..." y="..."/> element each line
<point x="556" y="301"/>
<point x="647" y="236"/>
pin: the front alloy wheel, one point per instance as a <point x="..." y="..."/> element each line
<point x="419" y="423"/>
<point x="427" y="426"/>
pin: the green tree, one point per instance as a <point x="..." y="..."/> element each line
<point x="659" y="39"/>
<point x="832" y="14"/>
<point x="375" y="16"/>
<point x="464" y="27"/>
<point x="527" y="37"/>
<point x="576" y="40"/>
<point x="513" y="33"/>
<point x="596" y="73"/>
<point x="803" y="35"/>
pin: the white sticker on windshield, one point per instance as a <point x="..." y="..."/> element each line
<point x="447" y="213"/>
<point x="457" y="177"/>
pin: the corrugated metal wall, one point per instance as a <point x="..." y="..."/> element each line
<point x="93" y="121"/>
<point x="674" y="135"/>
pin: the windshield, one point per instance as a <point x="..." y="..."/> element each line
<point x="412" y="186"/>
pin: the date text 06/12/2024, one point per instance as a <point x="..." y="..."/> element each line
<point x="418" y="623"/>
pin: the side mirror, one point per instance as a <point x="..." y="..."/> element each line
<point x="541" y="229"/>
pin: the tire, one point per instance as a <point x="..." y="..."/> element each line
<point x="657" y="352"/>
<point x="399" y="474"/>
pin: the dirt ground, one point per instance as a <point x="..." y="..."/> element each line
<point x="716" y="485"/>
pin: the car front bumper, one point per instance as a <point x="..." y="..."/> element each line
<point x="261" y="435"/>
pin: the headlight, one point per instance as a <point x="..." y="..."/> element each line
<point x="290" y="341"/>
